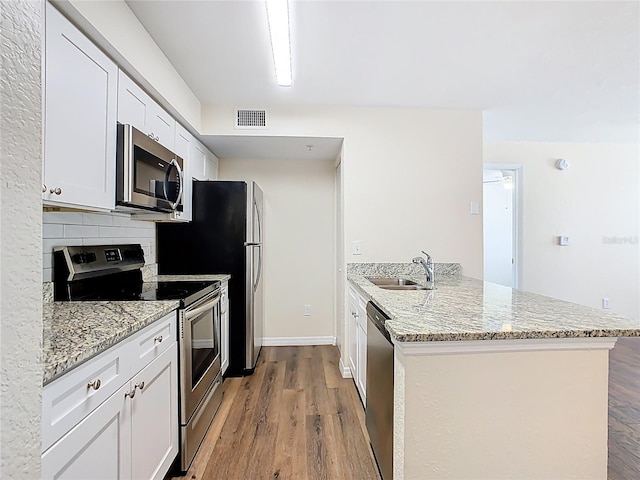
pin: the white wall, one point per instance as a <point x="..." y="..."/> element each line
<point x="79" y="228"/>
<point x="299" y="242"/>
<point x="20" y="226"/>
<point x="409" y="176"/>
<point x="114" y="27"/>
<point x="596" y="199"/>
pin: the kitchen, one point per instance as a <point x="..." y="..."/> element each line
<point x="453" y="136"/>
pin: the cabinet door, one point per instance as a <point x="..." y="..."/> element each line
<point x="224" y="327"/>
<point x="183" y="149"/>
<point x="198" y="159"/>
<point x="351" y="331"/>
<point x="99" y="447"/>
<point x="211" y="166"/>
<point x="137" y="108"/>
<point x="134" y="104"/>
<point x="162" y="126"/>
<point x="80" y="102"/>
<point x="361" y="381"/>
<point x="154" y="417"/>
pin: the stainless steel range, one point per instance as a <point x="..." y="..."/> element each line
<point x="113" y="272"/>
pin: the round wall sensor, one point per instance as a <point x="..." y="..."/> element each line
<point x="562" y="164"/>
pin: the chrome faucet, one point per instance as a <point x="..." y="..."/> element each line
<point x="428" y="268"/>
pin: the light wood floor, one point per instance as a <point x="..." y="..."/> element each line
<point x="294" y="418"/>
<point x="624" y="410"/>
<point x="297" y="418"/>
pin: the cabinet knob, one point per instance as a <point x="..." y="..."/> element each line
<point x="139" y="385"/>
<point x="56" y="190"/>
<point x="151" y="136"/>
<point x="95" y="384"/>
<point x="158" y="339"/>
<point x="44" y="188"/>
<point x="130" y="394"/>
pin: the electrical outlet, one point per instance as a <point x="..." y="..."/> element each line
<point x="563" y="240"/>
<point x="605" y="303"/>
<point x="307" y="310"/>
<point x="356" y="247"/>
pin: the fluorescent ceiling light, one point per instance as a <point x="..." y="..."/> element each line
<point x="278" y="16"/>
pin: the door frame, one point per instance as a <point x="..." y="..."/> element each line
<point x="518" y="171"/>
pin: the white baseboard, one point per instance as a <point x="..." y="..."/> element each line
<point x="294" y="341"/>
<point x="344" y="370"/>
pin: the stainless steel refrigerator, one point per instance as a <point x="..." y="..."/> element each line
<point x="225" y="236"/>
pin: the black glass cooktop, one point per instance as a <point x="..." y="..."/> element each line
<point x="185" y="291"/>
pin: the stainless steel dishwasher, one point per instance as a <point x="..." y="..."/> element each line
<point x="379" y="409"/>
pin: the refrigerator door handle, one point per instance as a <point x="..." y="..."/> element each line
<point x="255" y="285"/>
<point x="252" y="244"/>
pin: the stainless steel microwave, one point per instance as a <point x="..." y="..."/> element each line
<point x="148" y="175"/>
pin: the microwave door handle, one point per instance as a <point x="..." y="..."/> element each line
<point x="175" y="164"/>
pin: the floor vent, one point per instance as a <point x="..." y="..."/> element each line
<point x="251" y="119"/>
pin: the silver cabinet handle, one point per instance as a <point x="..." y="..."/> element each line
<point x="139" y="385"/>
<point x="130" y="394"/>
<point x="157" y="139"/>
<point x="158" y="339"/>
<point x="44" y="188"/>
<point x="56" y="190"/>
<point x="95" y="384"/>
<point x="151" y="136"/>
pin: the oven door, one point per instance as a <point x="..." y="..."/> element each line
<point x="199" y="351"/>
<point x="148" y="174"/>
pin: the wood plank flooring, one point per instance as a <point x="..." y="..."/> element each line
<point x="297" y="418"/>
<point x="294" y="418"/>
<point x="624" y="410"/>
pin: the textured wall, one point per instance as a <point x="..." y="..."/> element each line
<point x="20" y="239"/>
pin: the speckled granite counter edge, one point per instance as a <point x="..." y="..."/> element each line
<point x="397" y="327"/>
<point x="54" y="369"/>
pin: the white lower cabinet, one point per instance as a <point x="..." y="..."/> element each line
<point x="99" y="447"/>
<point x="224" y="327"/>
<point x="133" y="434"/>
<point x="154" y="417"/>
<point x="357" y="340"/>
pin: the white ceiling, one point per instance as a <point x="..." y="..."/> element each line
<point x="563" y="70"/>
<point x="273" y="148"/>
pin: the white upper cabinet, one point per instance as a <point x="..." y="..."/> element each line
<point x="137" y="108"/>
<point x="211" y="166"/>
<point x="80" y="98"/>
<point x="183" y="143"/>
<point x="198" y="160"/>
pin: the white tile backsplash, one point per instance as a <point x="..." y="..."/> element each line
<point x="76" y="228"/>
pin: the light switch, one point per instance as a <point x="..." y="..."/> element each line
<point x="356" y="247"/>
<point x="475" y="208"/>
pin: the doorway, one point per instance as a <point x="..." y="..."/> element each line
<point x="501" y="224"/>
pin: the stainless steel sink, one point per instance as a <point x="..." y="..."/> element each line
<point x="402" y="287"/>
<point x="394" y="282"/>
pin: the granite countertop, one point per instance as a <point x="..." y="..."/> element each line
<point x="463" y="308"/>
<point x="74" y="332"/>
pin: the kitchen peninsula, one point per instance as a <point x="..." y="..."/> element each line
<point x="492" y="382"/>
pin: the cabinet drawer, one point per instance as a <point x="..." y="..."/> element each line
<point x="72" y="397"/>
<point x="153" y="340"/>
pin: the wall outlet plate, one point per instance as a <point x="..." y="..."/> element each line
<point x="356" y="248"/>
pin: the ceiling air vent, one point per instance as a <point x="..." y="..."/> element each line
<point x="247" y="119"/>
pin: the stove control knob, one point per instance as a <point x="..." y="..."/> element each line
<point x="79" y="258"/>
<point x="90" y="257"/>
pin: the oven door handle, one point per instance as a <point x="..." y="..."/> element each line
<point x="189" y="314"/>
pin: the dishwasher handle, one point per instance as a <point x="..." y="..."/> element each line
<point x="378" y="319"/>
